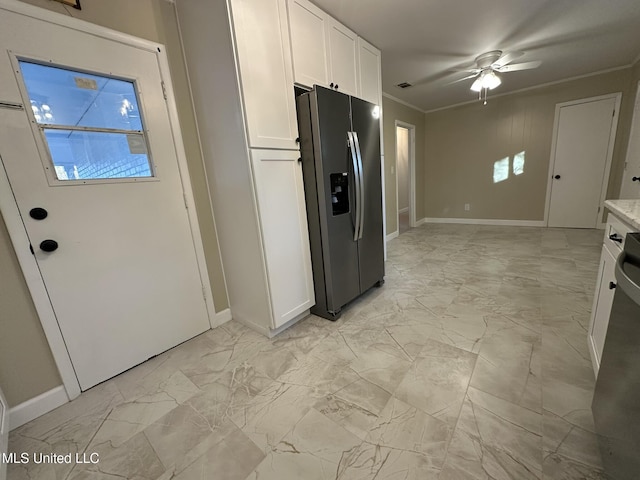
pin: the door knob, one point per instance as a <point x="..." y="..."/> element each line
<point x="635" y="179"/>
<point x="557" y="177"/>
<point x="48" y="245"/>
<point x="38" y="213"/>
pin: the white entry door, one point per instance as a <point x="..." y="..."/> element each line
<point x="631" y="179"/>
<point x="584" y="141"/>
<point x="92" y="163"/>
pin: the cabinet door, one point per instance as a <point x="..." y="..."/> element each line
<point x="308" y="28"/>
<point x="602" y="307"/>
<point x="266" y="74"/>
<point x="370" y="72"/>
<point x="283" y="220"/>
<point x="343" y="58"/>
<point x="370" y="78"/>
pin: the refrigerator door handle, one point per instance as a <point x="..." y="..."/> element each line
<point x="356" y="181"/>
<point x="361" y="202"/>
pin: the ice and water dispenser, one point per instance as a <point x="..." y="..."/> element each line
<point x="340" y="193"/>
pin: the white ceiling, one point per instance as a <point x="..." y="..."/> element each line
<point x="422" y="40"/>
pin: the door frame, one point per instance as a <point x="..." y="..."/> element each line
<point x="411" y="172"/>
<point x="635" y="127"/>
<point x="13" y="220"/>
<point x="607" y="168"/>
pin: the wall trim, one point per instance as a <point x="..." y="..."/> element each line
<point x="402" y="102"/>
<point x="37" y="406"/>
<point x="392" y="235"/>
<point x="221" y="318"/>
<point x="487" y="221"/>
<point x="527" y="89"/>
<point x="422" y="221"/>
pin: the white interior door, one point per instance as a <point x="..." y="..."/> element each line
<point x="582" y="151"/>
<point x="631" y="179"/>
<point x="124" y="281"/>
<point x="4" y="434"/>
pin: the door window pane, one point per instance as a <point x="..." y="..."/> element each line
<point x="64" y="97"/>
<point x="91" y="123"/>
<point x="81" y="155"/>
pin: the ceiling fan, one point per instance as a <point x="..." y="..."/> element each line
<point x="488" y="65"/>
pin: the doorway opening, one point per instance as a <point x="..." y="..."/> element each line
<point x="405" y="177"/>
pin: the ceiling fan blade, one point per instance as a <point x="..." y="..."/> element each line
<point x="465" y="69"/>
<point x="518" y="66"/>
<point x="506" y="58"/>
<point x="462" y="79"/>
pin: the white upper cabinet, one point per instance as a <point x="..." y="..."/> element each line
<point x="264" y="58"/>
<point x="369" y="75"/>
<point x="308" y="26"/>
<point x="343" y="58"/>
<point x="325" y="52"/>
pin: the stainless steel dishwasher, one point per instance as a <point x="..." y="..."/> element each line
<point x="616" y="401"/>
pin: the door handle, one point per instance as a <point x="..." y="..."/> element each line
<point x="356" y="141"/>
<point x="48" y="245"/>
<point x="557" y="177"/>
<point x="615" y="237"/>
<point x="356" y="181"/>
<point x="635" y="179"/>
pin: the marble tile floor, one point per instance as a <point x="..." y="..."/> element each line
<point x="471" y="362"/>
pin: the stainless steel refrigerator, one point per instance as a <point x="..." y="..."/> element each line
<point x="341" y="164"/>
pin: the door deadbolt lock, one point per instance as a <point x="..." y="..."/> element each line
<point x="48" y="245"/>
<point x="38" y="213"/>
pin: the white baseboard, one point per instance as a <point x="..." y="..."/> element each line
<point x="37" y="406"/>
<point x="392" y="235"/>
<point x="481" y="221"/>
<point x="268" y="332"/>
<point x="422" y="221"/>
<point x="221" y="317"/>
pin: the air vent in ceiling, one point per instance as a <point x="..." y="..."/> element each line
<point x="404" y="85"/>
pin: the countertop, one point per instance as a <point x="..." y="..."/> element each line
<point x="626" y="210"/>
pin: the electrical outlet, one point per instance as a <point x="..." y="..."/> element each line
<point x="467" y="207"/>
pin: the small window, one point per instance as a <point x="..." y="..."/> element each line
<point x="91" y="123"/>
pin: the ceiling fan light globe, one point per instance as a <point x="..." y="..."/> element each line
<point x="491" y="81"/>
<point x="476" y="86"/>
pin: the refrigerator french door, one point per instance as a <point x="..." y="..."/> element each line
<point x="341" y="163"/>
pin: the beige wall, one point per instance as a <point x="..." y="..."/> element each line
<point x="26" y="365"/>
<point x="393" y="111"/>
<point x="462" y="144"/>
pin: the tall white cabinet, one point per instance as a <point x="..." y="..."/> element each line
<point x="239" y="63"/>
<point x="243" y="58"/>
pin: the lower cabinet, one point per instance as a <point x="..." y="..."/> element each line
<point x="605" y="290"/>
<point x="283" y="225"/>
<point x="614" y="236"/>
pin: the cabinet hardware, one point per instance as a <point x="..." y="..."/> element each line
<point x="615" y="237"/>
<point x="612" y="285"/>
